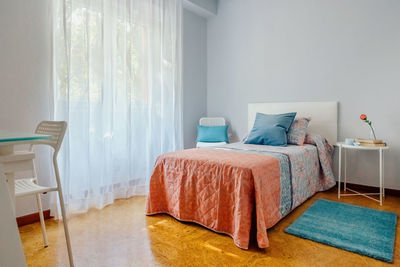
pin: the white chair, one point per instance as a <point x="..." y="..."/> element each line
<point x="30" y="186"/>
<point x="217" y="121"/>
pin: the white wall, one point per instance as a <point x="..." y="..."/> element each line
<point x="25" y="66"/>
<point x="309" y="50"/>
<point x="194" y="75"/>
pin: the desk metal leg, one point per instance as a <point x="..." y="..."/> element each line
<point x="380" y="176"/>
<point x="340" y="169"/>
<point x="345" y="170"/>
<point x="383" y="172"/>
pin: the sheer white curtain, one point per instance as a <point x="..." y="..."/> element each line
<point x="117" y="82"/>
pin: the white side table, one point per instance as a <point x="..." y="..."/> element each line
<point x="343" y="146"/>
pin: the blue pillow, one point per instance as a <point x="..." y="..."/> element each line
<point x="273" y="136"/>
<point x="271" y="129"/>
<point x="270" y="120"/>
<point x="212" y="134"/>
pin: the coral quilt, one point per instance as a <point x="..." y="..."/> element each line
<point x="220" y="188"/>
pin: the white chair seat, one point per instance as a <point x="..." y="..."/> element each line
<point x="209" y="144"/>
<point x="26" y="187"/>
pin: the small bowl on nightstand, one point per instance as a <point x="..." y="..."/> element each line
<point x="349" y="141"/>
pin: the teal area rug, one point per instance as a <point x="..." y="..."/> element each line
<point x="361" y="230"/>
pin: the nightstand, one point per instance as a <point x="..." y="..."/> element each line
<point x="343" y="147"/>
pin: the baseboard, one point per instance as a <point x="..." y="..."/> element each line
<point x="360" y="187"/>
<point x="32" y="218"/>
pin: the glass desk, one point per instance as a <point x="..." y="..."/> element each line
<point x="11" y="254"/>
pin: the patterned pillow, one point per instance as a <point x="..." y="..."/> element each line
<point x="297" y="131"/>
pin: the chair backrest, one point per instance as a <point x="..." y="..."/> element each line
<point x="57" y="131"/>
<point x="217" y="121"/>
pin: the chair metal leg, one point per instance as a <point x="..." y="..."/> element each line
<point x="340" y="169"/>
<point x="63" y="213"/>
<point x="66" y="231"/>
<point x="40" y="208"/>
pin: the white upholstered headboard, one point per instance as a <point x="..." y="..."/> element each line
<point x="323" y="115"/>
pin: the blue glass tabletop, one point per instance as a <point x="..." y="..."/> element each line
<point x="21" y="136"/>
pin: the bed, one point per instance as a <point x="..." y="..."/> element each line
<point x="232" y="187"/>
